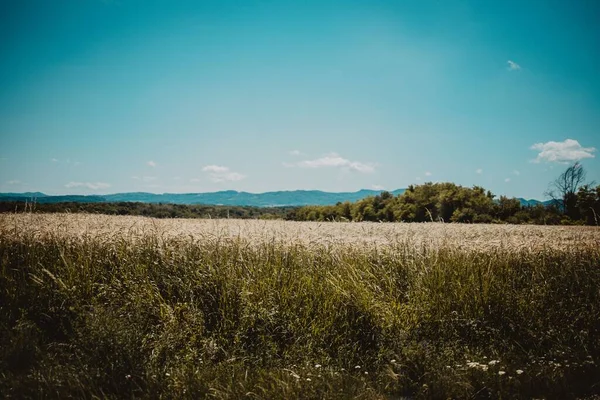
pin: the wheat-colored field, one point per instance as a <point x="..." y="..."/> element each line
<point x="95" y="306"/>
<point x="437" y="235"/>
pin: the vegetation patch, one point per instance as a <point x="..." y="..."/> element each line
<point x="156" y="313"/>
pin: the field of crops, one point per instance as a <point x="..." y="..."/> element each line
<point x="118" y="307"/>
<point x="431" y="235"/>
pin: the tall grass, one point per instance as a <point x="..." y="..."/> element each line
<point x="181" y="317"/>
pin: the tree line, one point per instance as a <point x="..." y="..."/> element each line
<point x="150" y="209"/>
<point x="572" y="202"/>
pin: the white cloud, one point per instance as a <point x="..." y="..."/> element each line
<point x="562" y="152"/>
<point x="88" y="185"/>
<point x="507" y="180"/>
<point x="377" y="187"/>
<point x="218" y="173"/>
<point x="479" y="171"/>
<point x="516" y="172"/>
<point x="215" y="168"/>
<point x="151" y="164"/>
<point x="229" y="176"/>
<point x="295" y="153"/>
<point x="331" y="160"/>
<point x="54" y="159"/>
<point x="13" y="182"/>
<point x="513" y="66"/>
<point x="334" y="160"/>
<point x="195" y="180"/>
<point x="360" y="167"/>
<point x="427" y="173"/>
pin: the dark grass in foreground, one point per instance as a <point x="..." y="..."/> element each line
<point x="232" y="319"/>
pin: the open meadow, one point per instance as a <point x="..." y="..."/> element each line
<point x="115" y="306"/>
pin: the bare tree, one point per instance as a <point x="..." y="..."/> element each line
<point x="563" y="190"/>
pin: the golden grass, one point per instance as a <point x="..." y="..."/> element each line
<point x="480" y="237"/>
<point x="113" y="307"/>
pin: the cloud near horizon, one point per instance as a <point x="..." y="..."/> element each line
<point x="219" y="173"/>
<point x="562" y="152"/>
<point x="334" y="160"/>
<point x="89" y="185"/>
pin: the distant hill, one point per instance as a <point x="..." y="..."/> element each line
<point x="228" y="197"/>
<point x="533" y="202"/>
<point x="22" y="195"/>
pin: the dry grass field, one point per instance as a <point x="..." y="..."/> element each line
<point x="114" y="307"/>
<point x="479" y="237"/>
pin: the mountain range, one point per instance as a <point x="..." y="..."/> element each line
<point x="227" y="197"/>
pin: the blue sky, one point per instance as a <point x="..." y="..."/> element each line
<point x="194" y="96"/>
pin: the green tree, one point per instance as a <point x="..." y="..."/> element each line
<point x="588" y="203"/>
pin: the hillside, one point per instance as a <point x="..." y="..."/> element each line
<point x="228" y="197"/>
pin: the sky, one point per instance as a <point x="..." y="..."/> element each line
<point x="107" y="96"/>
